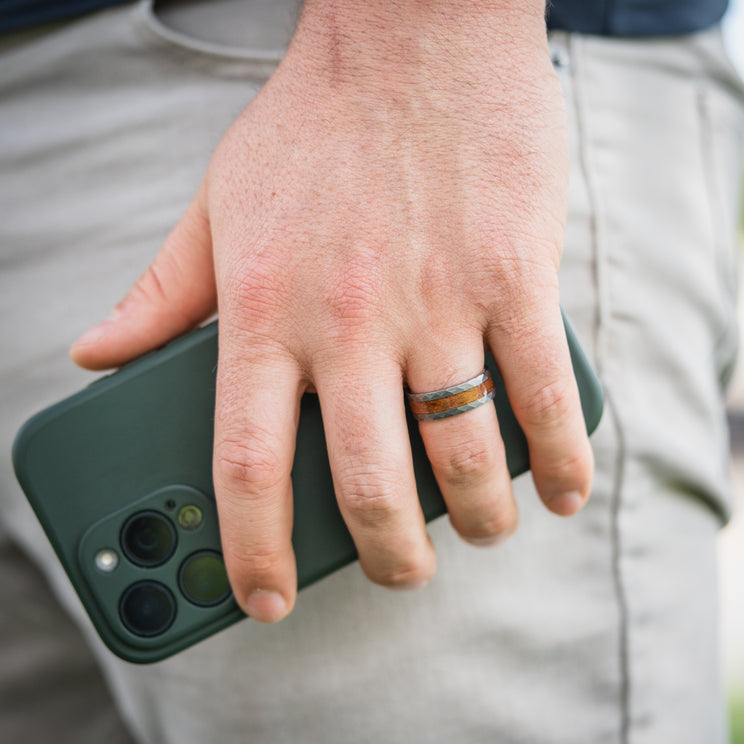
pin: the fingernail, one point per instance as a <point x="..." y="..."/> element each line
<point x="567" y="504"/>
<point x="488" y="542"/>
<point x="266" y="606"/>
<point x="95" y="334"/>
<point x="410" y="587"/>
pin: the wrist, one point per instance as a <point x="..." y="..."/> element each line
<point x="384" y="42"/>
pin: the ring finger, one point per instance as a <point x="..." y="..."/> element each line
<point x="465" y="447"/>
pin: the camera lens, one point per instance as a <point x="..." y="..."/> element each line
<point x="203" y="580"/>
<point x="147" y="608"/>
<point x="148" y="539"/>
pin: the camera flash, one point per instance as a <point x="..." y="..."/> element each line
<point x="106" y="560"/>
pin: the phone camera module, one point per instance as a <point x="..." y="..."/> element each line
<point x="148" y="539"/>
<point x="147" y="608"/>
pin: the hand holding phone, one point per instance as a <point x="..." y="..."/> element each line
<point x="120" y="477"/>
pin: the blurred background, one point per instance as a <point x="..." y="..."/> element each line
<point x="731" y="546"/>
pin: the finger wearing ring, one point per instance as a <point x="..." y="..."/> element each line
<point x="453" y="400"/>
<point x="466" y="454"/>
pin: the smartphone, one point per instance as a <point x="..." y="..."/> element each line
<point x="120" y="477"/>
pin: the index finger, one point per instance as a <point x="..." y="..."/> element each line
<point x="258" y="396"/>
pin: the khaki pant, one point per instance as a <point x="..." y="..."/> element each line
<point x="601" y="628"/>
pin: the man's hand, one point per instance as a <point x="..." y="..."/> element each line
<point x="393" y="198"/>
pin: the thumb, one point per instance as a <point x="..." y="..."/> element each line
<point x="175" y="293"/>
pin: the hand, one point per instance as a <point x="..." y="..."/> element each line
<point x="394" y="197"/>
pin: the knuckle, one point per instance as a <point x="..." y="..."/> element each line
<point x="258" y="292"/>
<point x="150" y="287"/>
<point x="466" y="462"/>
<point x="252" y="562"/>
<point x="502" y="524"/>
<point x="548" y="405"/>
<point x="250" y="566"/>
<point x="571" y="472"/>
<point x="249" y="464"/>
<point x="368" y="500"/>
<point x="353" y="297"/>
<point x="523" y="265"/>
<point x="404" y="575"/>
<point x="522" y="318"/>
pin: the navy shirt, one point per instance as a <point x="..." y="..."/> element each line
<point x="635" y="17"/>
<point x="17" y="14"/>
<point x="604" y="17"/>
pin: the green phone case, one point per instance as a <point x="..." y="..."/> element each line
<point x="139" y="442"/>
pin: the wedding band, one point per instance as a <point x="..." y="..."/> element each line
<point x="451" y="401"/>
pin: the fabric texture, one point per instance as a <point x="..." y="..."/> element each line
<point x="51" y="688"/>
<point x="599" y="628"/>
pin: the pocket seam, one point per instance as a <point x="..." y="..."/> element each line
<point x="197" y="51"/>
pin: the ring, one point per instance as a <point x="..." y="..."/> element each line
<point x="451" y="401"/>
